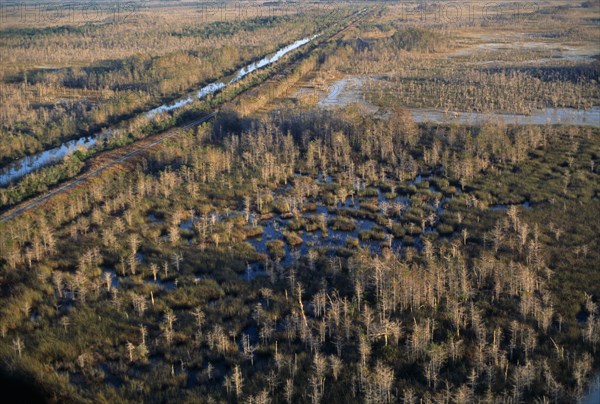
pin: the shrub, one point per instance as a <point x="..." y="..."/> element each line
<point x="343" y="224"/>
<point x="276" y="248"/>
<point x="445" y="229"/>
<point x="281" y="207"/>
<point x="397" y="230"/>
<point x="292" y="239"/>
<point x="373" y="234"/>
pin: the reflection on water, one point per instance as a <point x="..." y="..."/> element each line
<point x="274" y="228"/>
<point x="244" y="71"/>
<point x="548" y="116"/>
<point x="29" y="164"/>
<point x="593" y="394"/>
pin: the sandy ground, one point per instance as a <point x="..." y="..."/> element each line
<point x="340" y="94"/>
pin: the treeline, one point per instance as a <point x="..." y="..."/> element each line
<point x="47" y="103"/>
<point x="276" y="87"/>
<point x="482" y="90"/>
<point x="413" y="67"/>
<point x="281" y="77"/>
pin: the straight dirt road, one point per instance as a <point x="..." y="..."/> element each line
<point x="127" y="152"/>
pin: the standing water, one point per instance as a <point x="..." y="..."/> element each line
<point x="32" y="163"/>
<point x="593" y="394"/>
<point x="26" y="165"/>
<point x="244" y="71"/>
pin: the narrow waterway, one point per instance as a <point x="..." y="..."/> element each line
<point x="244" y="71"/>
<point x="592" y="396"/>
<point x="29" y="164"/>
<point x="34" y="162"/>
<point x="547" y="116"/>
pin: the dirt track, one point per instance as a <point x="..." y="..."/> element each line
<point x="124" y="154"/>
<point x="110" y="159"/>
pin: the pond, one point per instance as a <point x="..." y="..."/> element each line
<point x="274" y="228"/>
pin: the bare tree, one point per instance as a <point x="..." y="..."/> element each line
<point x="18" y="345"/>
<point x="289" y="391"/>
<point x="130" y="350"/>
<point x="238" y="381"/>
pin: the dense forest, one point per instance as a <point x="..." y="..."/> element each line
<point x="293" y="251"/>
